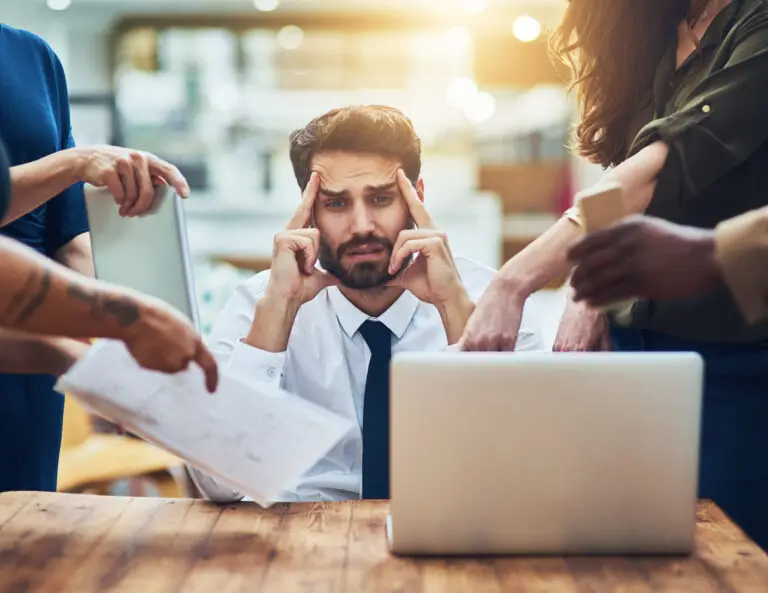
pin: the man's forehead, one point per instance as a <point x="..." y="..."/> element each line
<point x="349" y="171"/>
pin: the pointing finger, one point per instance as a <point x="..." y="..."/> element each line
<point x="207" y="362"/>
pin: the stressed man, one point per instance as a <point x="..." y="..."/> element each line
<point x="360" y="272"/>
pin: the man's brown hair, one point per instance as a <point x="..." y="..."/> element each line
<point x="371" y="129"/>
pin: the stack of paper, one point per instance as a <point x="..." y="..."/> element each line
<point x="256" y="439"/>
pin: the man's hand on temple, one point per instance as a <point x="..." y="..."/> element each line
<point x="293" y="275"/>
<point x="293" y="280"/>
<point x="432" y="276"/>
<point x="646" y="258"/>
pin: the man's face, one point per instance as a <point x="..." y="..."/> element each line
<point x="359" y="212"/>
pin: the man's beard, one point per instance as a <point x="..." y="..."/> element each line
<point x="363" y="275"/>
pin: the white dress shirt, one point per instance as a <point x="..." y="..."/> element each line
<point x="327" y="360"/>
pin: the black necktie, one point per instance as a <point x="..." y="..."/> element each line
<point x="376" y="411"/>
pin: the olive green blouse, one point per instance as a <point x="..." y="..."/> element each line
<point x="713" y="114"/>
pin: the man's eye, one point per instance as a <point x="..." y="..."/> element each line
<point x="382" y="199"/>
<point x="334" y="204"/>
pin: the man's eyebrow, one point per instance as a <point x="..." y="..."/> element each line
<point x="377" y="188"/>
<point x="333" y="194"/>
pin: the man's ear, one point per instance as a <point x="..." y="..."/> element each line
<point x="420" y="189"/>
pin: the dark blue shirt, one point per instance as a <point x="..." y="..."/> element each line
<point x="34" y="122"/>
<point x="5" y="181"/>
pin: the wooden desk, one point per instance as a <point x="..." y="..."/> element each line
<point x="65" y="542"/>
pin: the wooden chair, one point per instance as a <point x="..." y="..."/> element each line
<point x="92" y="462"/>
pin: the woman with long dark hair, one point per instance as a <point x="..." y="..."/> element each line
<point x="673" y="98"/>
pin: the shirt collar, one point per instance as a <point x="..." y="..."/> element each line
<point x="397" y="318"/>
<point x="667" y="70"/>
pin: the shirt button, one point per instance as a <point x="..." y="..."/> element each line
<point x="706" y="108"/>
<point x="270" y="372"/>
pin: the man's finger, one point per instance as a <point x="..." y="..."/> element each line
<point x="424" y="246"/>
<point x="404" y="279"/>
<point x="305" y="252"/>
<point x="412" y="234"/>
<point x="159" y="168"/>
<point x="303" y="214"/>
<point x="207" y="363"/>
<point x="415" y="206"/>
<point x="311" y="234"/>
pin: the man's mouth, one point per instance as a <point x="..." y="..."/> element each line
<point x="366" y="251"/>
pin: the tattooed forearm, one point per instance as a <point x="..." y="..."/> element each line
<point x="123" y="309"/>
<point x="28" y="300"/>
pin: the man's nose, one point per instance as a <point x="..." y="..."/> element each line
<point x="362" y="220"/>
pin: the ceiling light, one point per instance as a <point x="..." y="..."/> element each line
<point x="480" y="108"/>
<point x="526" y="28"/>
<point x="59" y="4"/>
<point x="460" y="92"/>
<point x="290" y="37"/>
<point x="266" y="5"/>
<point x="475" y="5"/>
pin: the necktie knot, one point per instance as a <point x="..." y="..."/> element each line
<point x="378" y="337"/>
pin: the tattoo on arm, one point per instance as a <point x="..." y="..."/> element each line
<point x="122" y="308"/>
<point x="28" y="300"/>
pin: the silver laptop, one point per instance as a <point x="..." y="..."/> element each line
<point x="148" y="253"/>
<point x="542" y="453"/>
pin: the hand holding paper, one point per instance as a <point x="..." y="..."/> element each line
<point x="259" y="441"/>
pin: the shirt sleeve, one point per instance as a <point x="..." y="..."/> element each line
<point x="232" y="326"/>
<point x="723" y="120"/>
<point x="742" y="252"/>
<point x="66" y="216"/>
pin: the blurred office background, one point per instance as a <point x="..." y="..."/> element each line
<point x="215" y="86"/>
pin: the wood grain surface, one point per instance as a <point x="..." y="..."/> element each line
<point x="81" y="543"/>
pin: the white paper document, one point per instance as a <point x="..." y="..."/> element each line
<point x="256" y="439"/>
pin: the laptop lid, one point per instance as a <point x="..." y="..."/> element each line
<point x="542" y="453"/>
<point x="148" y="253"/>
